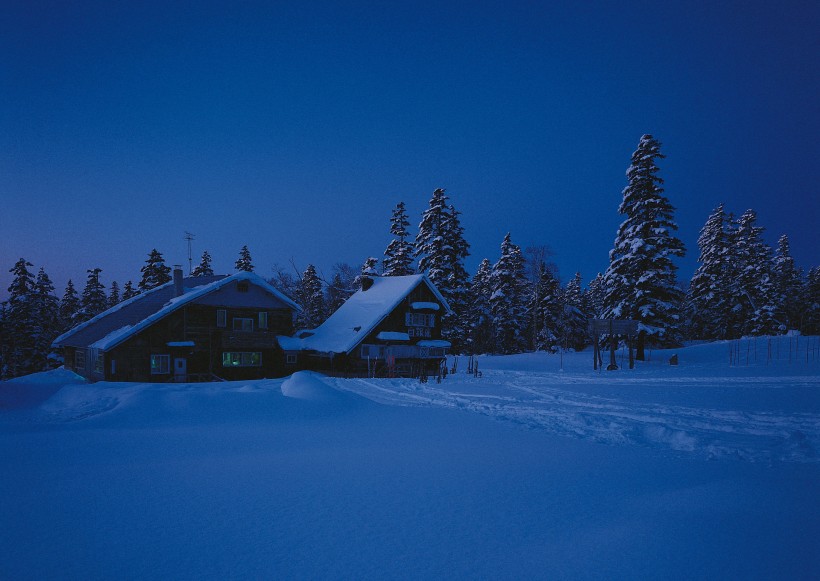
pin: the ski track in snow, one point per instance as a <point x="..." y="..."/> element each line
<point x="538" y="401"/>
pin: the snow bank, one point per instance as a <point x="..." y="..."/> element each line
<point x="307" y="385"/>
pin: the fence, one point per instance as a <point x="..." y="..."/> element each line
<point x="779" y="349"/>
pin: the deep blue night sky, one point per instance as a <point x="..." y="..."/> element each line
<point x="296" y="127"/>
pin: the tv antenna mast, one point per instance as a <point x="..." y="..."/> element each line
<point x="189" y="237"/>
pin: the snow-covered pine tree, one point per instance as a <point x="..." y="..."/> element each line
<point x="441" y="250"/>
<point x="244" y="262"/>
<point x="129" y="291"/>
<point x="204" y="267"/>
<point x="709" y="301"/>
<point x="312" y="300"/>
<point x="20" y="323"/>
<point x="595" y="297"/>
<point x="69" y="307"/>
<point x="480" y="328"/>
<point x="574" y="321"/>
<point x="640" y="280"/>
<point x="398" y="256"/>
<point x="754" y="310"/>
<point x="47" y="312"/>
<point x="114" y="294"/>
<point x="549" y="311"/>
<point x="155" y="273"/>
<point x="93" y="300"/>
<point x="369" y="267"/>
<point x="535" y="263"/>
<point x="508" y="300"/>
<point x="788" y="285"/>
<point x="811" y="303"/>
<point x="429" y="247"/>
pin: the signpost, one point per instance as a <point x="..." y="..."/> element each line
<point x="612" y="327"/>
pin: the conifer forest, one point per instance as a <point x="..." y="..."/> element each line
<point x="514" y="302"/>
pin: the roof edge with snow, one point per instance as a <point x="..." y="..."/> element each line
<point x="120" y="335"/>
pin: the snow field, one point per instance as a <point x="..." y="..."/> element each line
<point x="699" y="471"/>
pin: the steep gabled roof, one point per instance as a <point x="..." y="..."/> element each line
<point x="359" y="315"/>
<point x="112" y="327"/>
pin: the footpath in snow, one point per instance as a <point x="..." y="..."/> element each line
<point x="702" y="406"/>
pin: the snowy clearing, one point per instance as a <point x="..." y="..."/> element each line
<point x="697" y="471"/>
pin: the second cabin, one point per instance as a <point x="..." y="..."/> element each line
<point x="391" y="327"/>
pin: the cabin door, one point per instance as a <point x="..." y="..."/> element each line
<point x="180" y="369"/>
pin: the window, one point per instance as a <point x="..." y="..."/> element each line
<point x="242" y="286"/>
<point x="263" y="320"/>
<point x="290" y="359"/>
<point x="418" y="331"/>
<point x="241" y="359"/>
<point x="372" y="351"/>
<point x="98" y="363"/>
<point x="79" y="359"/>
<point x="242" y="324"/>
<point x="113" y="366"/>
<point x="419" y="320"/>
<point x="160" y="364"/>
<point x="221" y="318"/>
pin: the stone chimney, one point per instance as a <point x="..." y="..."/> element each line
<point x="367" y="282"/>
<point x="178" y="290"/>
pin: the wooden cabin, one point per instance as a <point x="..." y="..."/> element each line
<point x="191" y="329"/>
<point x="391" y="327"/>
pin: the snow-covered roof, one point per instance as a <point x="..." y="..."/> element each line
<point x="434" y="343"/>
<point x="393" y="336"/>
<point x="360" y="314"/>
<point x="420" y="306"/>
<point x="112" y="327"/>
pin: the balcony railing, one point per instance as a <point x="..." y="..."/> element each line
<point x="248" y="340"/>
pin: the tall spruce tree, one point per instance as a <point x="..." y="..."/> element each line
<point x="441" y="250"/>
<point x="574" y="319"/>
<point x="312" y="300"/>
<point x="128" y="291"/>
<point x="69" y="307"/>
<point x="508" y="300"/>
<point x="709" y="301"/>
<point x="398" y="256"/>
<point x="788" y="286"/>
<point x="93" y="300"/>
<point x="204" y="267"/>
<point x="640" y="281"/>
<point x="20" y="323"/>
<point x="155" y="273"/>
<point x="810" y="315"/>
<point x="595" y="297"/>
<point x="114" y="294"/>
<point x="47" y="315"/>
<point x="244" y="262"/>
<point x="548" y="311"/>
<point x="480" y="328"/>
<point x="754" y="309"/>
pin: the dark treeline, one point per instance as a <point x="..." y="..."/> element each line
<point x="518" y="303"/>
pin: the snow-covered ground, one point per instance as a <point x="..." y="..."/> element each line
<point x="703" y="470"/>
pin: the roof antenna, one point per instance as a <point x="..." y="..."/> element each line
<point x="189" y="237"/>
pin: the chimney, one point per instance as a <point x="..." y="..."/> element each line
<point x="367" y="282"/>
<point x="178" y="290"/>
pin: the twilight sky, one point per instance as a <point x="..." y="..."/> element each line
<point x="295" y="127"/>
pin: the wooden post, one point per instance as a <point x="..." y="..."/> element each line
<point x="595" y="351"/>
<point x="631" y="354"/>
<point x="612" y="365"/>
